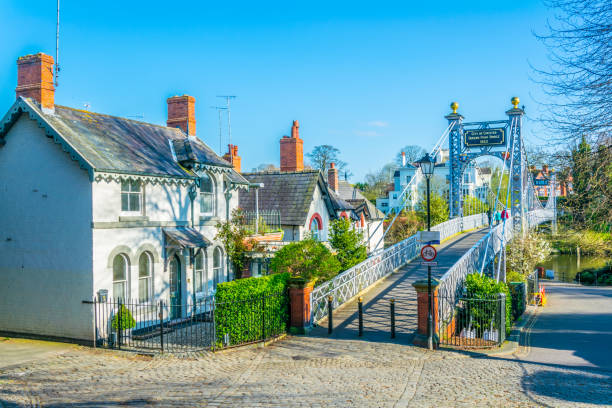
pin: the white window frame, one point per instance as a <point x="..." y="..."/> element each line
<point x="211" y="194"/>
<point x="129" y="193"/>
<point x="148" y="278"/>
<point x="124" y="281"/>
<point x="316" y="232"/>
<point x="217" y="271"/>
<point x="199" y="271"/>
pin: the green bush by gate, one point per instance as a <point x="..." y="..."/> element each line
<point x="251" y="309"/>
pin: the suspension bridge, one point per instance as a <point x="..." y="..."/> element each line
<point x="470" y="243"/>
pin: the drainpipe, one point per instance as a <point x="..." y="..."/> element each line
<point x="193" y="193"/>
<point x="256" y="186"/>
<point x="228" y="196"/>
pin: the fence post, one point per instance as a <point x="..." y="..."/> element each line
<point x="161" y="325"/>
<point x="501" y="301"/>
<point x="360" y="306"/>
<point x="119" y="324"/>
<point x="392" y="304"/>
<point x="263" y="317"/>
<point x="330" y="312"/>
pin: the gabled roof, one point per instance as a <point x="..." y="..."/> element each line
<point x="113" y="144"/>
<point x="355" y="197"/>
<point x="291" y="193"/>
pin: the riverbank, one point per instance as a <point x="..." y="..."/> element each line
<point x="567" y="241"/>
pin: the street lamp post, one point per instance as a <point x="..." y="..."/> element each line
<point x="427" y="166"/>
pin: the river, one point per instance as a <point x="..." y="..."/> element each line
<point x="566" y="266"/>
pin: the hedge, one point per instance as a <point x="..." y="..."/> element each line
<point x="482" y="287"/>
<point x="244" y="308"/>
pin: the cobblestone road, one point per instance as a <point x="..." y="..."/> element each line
<point x="299" y="372"/>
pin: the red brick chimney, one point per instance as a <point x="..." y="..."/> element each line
<point x="292" y="150"/>
<point x="35" y="79"/>
<point x="332" y="177"/>
<point x="232" y="156"/>
<point x="181" y="113"/>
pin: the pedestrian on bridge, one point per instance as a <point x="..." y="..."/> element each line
<point x="497" y="217"/>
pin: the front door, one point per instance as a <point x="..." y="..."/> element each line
<point x="175" y="288"/>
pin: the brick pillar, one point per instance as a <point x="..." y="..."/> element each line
<point x="420" y="339"/>
<point x="299" y="298"/>
<point x="181" y="113"/>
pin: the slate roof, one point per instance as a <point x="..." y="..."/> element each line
<point x="119" y="145"/>
<point x="355" y="197"/>
<point x="291" y="193"/>
<point x="186" y="237"/>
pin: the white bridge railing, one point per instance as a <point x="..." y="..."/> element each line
<point x="483" y="252"/>
<point x="349" y="283"/>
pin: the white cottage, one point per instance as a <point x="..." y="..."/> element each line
<point x="96" y="205"/>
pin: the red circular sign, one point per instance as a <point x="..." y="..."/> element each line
<point x="428" y="253"/>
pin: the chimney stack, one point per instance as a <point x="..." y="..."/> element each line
<point x="292" y="150"/>
<point x="232" y="156"/>
<point x="332" y="177"/>
<point x="403" y="159"/>
<point x="35" y="79"/>
<point x="181" y="113"/>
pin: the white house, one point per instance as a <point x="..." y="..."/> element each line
<point x="474" y="183"/>
<point x="96" y="205"/>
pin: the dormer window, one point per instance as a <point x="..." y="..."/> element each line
<point x="207" y="196"/>
<point x="131" y="196"/>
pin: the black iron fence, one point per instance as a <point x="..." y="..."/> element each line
<point x="533" y="288"/>
<point x="471" y="322"/>
<point x="201" y="325"/>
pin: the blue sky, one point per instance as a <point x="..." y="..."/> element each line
<point x="367" y="78"/>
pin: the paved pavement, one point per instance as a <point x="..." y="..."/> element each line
<point x="376" y="306"/>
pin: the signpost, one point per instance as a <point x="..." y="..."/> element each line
<point x="484" y="137"/>
<point x="428" y="253"/>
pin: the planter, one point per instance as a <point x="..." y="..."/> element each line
<point x="270" y="236"/>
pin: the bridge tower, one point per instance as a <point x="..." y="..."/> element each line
<point x="500" y="138"/>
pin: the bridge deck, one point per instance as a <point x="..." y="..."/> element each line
<point x="376" y="321"/>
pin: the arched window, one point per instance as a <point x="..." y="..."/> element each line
<point x="217" y="267"/>
<point x="198" y="272"/>
<point x="120" y="274"/>
<point x="207" y="196"/>
<point x="316" y="226"/>
<point x="145" y="274"/>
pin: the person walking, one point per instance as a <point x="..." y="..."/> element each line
<point x="497" y="217"/>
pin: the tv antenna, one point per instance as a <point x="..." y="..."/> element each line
<point x="57" y="67"/>
<point x="228" y="98"/>
<point x="219" y="109"/>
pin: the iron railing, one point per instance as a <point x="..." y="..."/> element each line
<point x="349" y="283"/>
<point x="204" y="325"/>
<point x="269" y="221"/>
<point x="473" y="322"/>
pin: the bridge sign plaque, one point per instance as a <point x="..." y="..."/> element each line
<point x="484" y="137"/>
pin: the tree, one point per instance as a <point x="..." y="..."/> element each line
<point x="579" y="78"/>
<point x="406" y="225"/>
<point x="323" y="155"/>
<point x="472" y="205"/>
<point x="413" y="153"/>
<point x="438" y="209"/>
<point x="235" y="238"/>
<point x="308" y="259"/>
<point x="348" y="243"/>
<point x="265" y="167"/>
<point x="378" y="181"/>
<point x="523" y="254"/>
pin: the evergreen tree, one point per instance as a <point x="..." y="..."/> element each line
<point x="348" y="243"/>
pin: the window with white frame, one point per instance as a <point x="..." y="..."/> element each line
<point x="315" y="228"/>
<point x="145" y="274"/>
<point x="198" y="272"/>
<point x="131" y="196"/>
<point x="217" y="267"/>
<point x="207" y="196"/>
<point x="120" y="274"/>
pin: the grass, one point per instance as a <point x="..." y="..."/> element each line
<point x="590" y="242"/>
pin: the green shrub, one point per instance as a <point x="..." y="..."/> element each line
<point x="514" y="276"/>
<point x="126" y="321"/>
<point x="245" y="307"/>
<point x="603" y="275"/>
<point x="483" y="287"/>
<point x="348" y="243"/>
<point x="308" y="259"/>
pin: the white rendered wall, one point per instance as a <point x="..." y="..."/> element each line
<point x="317" y="206"/>
<point x="45" y="237"/>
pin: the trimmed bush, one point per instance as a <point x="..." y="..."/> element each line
<point x="126" y="322"/>
<point x="244" y="308"/>
<point x="308" y="259"/>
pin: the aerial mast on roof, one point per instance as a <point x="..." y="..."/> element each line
<point x="57" y="67"/>
<point x="219" y="109"/>
<point x="229" y="120"/>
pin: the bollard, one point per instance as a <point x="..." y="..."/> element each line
<point x="330" y="310"/>
<point x="392" y="304"/>
<point x="360" y="305"/>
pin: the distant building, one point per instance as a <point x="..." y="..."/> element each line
<point x="475" y="183"/>
<point x="542" y="180"/>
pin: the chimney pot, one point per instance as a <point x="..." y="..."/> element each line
<point x="332" y="177"/>
<point x="35" y="79"/>
<point x="232" y="157"/>
<point x="292" y="150"/>
<point x="181" y="113"/>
